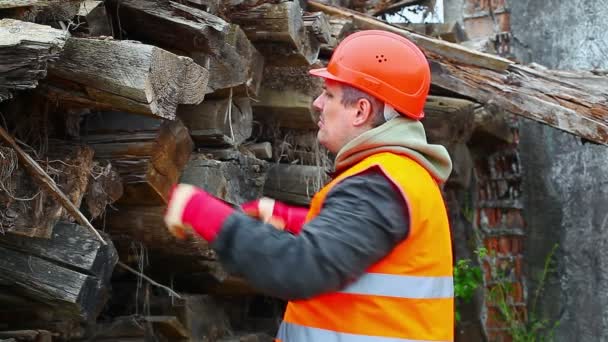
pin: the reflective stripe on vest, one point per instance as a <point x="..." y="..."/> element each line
<point x="402" y="286"/>
<point x="296" y="333"/>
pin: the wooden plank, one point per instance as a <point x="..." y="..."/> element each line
<point x="289" y="108"/>
<point x="219" y="122"/>
<point x="25" y="50"/>
<point x="535" y="95"/>
<point x="124" y="75"/>
<point x="46" y="182"/>
<point x="295" y="184"/>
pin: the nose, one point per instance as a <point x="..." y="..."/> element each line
<point x="317" y="104"/>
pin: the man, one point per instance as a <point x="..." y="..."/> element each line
<point x="371" y="259"/>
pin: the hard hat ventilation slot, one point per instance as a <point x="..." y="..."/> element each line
<point x="381" y="58"/>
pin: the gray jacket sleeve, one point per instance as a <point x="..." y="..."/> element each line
<point x="361" y="221"/>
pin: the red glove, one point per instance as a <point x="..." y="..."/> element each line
<point x="278" y="214"/>
<point x="192" y="208"/>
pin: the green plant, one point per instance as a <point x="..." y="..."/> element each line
<point x="467" y="278"/>
<point x="520" y="327"/>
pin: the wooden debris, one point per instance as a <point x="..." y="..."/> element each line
<point x="25" y="50"/>
<point x="209" y="40"/>
<point x="47" y="183"/>
<point x="446" y="50"/>
<point x="295" y="184"/>
<point x="105" y="187"/>
<point x="27" y="335"/>
<point x="448" y="120"/>
<point x="269" y="24"/>
<point x="261" y="150"/>
<point x="286" y="98"/>
<point x="122" y="75"/>
<point x="537" y="95"/>
<point x="145" y="224"/>
<point x="70" y="271"/>
<point x="235" y="181"/>
<point x="319" y="25"/>
<point x="93" y="19"/>
<point x="149" y="154"/>
<point x="219" y="122"/>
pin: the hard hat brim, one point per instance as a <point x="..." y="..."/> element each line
<point x="323" y="73"/>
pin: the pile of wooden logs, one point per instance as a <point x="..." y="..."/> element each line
<point x="111" y="102"/>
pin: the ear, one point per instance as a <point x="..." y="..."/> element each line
<point x="364" y="112"/>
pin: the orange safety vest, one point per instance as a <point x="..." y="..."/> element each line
<point x="406" y="296"/>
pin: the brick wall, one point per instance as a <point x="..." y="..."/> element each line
<point x="501" y="228"/>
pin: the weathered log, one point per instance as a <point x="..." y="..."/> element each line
<point x="125" y="75"/>
<point x="237" y="69"/>
<point x="560" y="101"/>
<point x="451" y="32"/>
<point x="21" y="3"/>
<point x="218" y="122"/>
<point x="294" y="184"/>
<point x="261" y="150"/>
<point x="288" y="108"/>
<point x="93" y="19"/>
<point x="69" y="272"/>
<point x="234" y="181"/>
<point x="212" y="42"/>
<point x="149" y="154"/>
<point x="26" y="335"/>
<point x="319" y="25"/>
<point x="537" y="95"/>
<point x="47" y="198"/>
<point x="339" y="27"/>
<point x="286" y="97"/>
<point x="448" y="120"/>
<point x="145" y="224"/>
<point x="269" y="24"/>
<point x="25" y="50"/>
<point x="70" y="245"/>
<point x="209" y="40"/>
<point x="46" y="12"/>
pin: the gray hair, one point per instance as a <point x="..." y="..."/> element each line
<point x="350" y="96"/>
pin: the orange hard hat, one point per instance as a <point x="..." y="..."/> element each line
<point x="385" y="65"/>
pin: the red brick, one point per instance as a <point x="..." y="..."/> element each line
<point x="504" y="245"/>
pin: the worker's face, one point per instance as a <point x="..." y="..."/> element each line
<point x="335" y="118"/>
